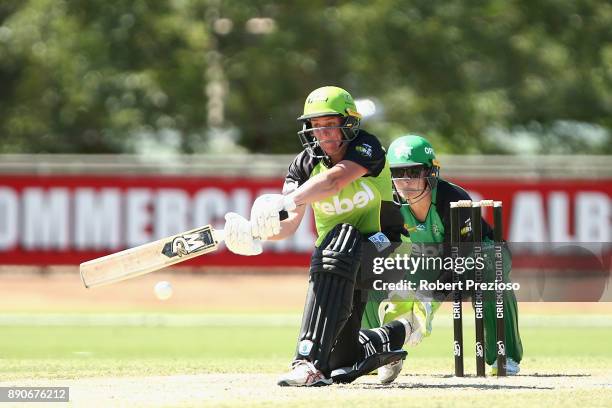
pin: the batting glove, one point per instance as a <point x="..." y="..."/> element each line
<point x="265" y="217"/>
<point x="238" y="236"/>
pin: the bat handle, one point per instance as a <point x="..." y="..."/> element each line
<point x="219" y="234"/>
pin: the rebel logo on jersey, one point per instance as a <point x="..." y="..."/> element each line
<point x="344" y="205"/>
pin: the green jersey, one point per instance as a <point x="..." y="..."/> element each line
<point x="365" y="203"/>
<point x="433" y="230"/>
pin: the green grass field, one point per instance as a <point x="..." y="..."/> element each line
<point x="119" y="346"/>
<point x="207" y="346"/>
<point x="56" y="348"/>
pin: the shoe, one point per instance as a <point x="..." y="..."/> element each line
<point x="303" y="374"/>
<point x="512" y="367"/>
<point x="347" y="375"/>
<point x="388" y="373"/>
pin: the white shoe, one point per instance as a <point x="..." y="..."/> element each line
<point x="303" y="374"/>
<point x="387" y="374"/>
<point x="512" y="367"/>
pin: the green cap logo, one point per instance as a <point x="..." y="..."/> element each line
<point x="411" y="150"/>
<point x="403" y="150"/>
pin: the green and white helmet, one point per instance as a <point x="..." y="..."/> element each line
<point x="328" y="101"/>
<point x="412" y="157"/>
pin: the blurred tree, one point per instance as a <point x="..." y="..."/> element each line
<point x="102" y="76"/>
<point x="270" y="74"/>
<point x="88" y="76"/>
<point x="454" y="71"/>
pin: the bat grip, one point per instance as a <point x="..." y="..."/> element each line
<point x="220" y="234"/>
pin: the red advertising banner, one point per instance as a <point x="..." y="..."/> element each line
<point x="65" y="220"/>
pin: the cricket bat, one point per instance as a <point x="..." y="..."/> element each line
<point x="153" y="256"/>
<point x="150" y="257"/>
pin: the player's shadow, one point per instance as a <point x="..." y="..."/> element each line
<point x="476" y="386"/>
<point x="541" y="375"/>
<point x="412" y="381"/>
<point x="521" y="375"/>
<point x="544" y="375"/>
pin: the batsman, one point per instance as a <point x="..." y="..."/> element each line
<point x="424" y="198"/>
<point x="344" y="175"/>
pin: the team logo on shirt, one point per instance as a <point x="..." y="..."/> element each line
<point x="435" y="229"/>
<point x="364" y="149"/>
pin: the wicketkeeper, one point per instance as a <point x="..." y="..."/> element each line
<point x="425" y="199"/>
<point x="343" y="173"/>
